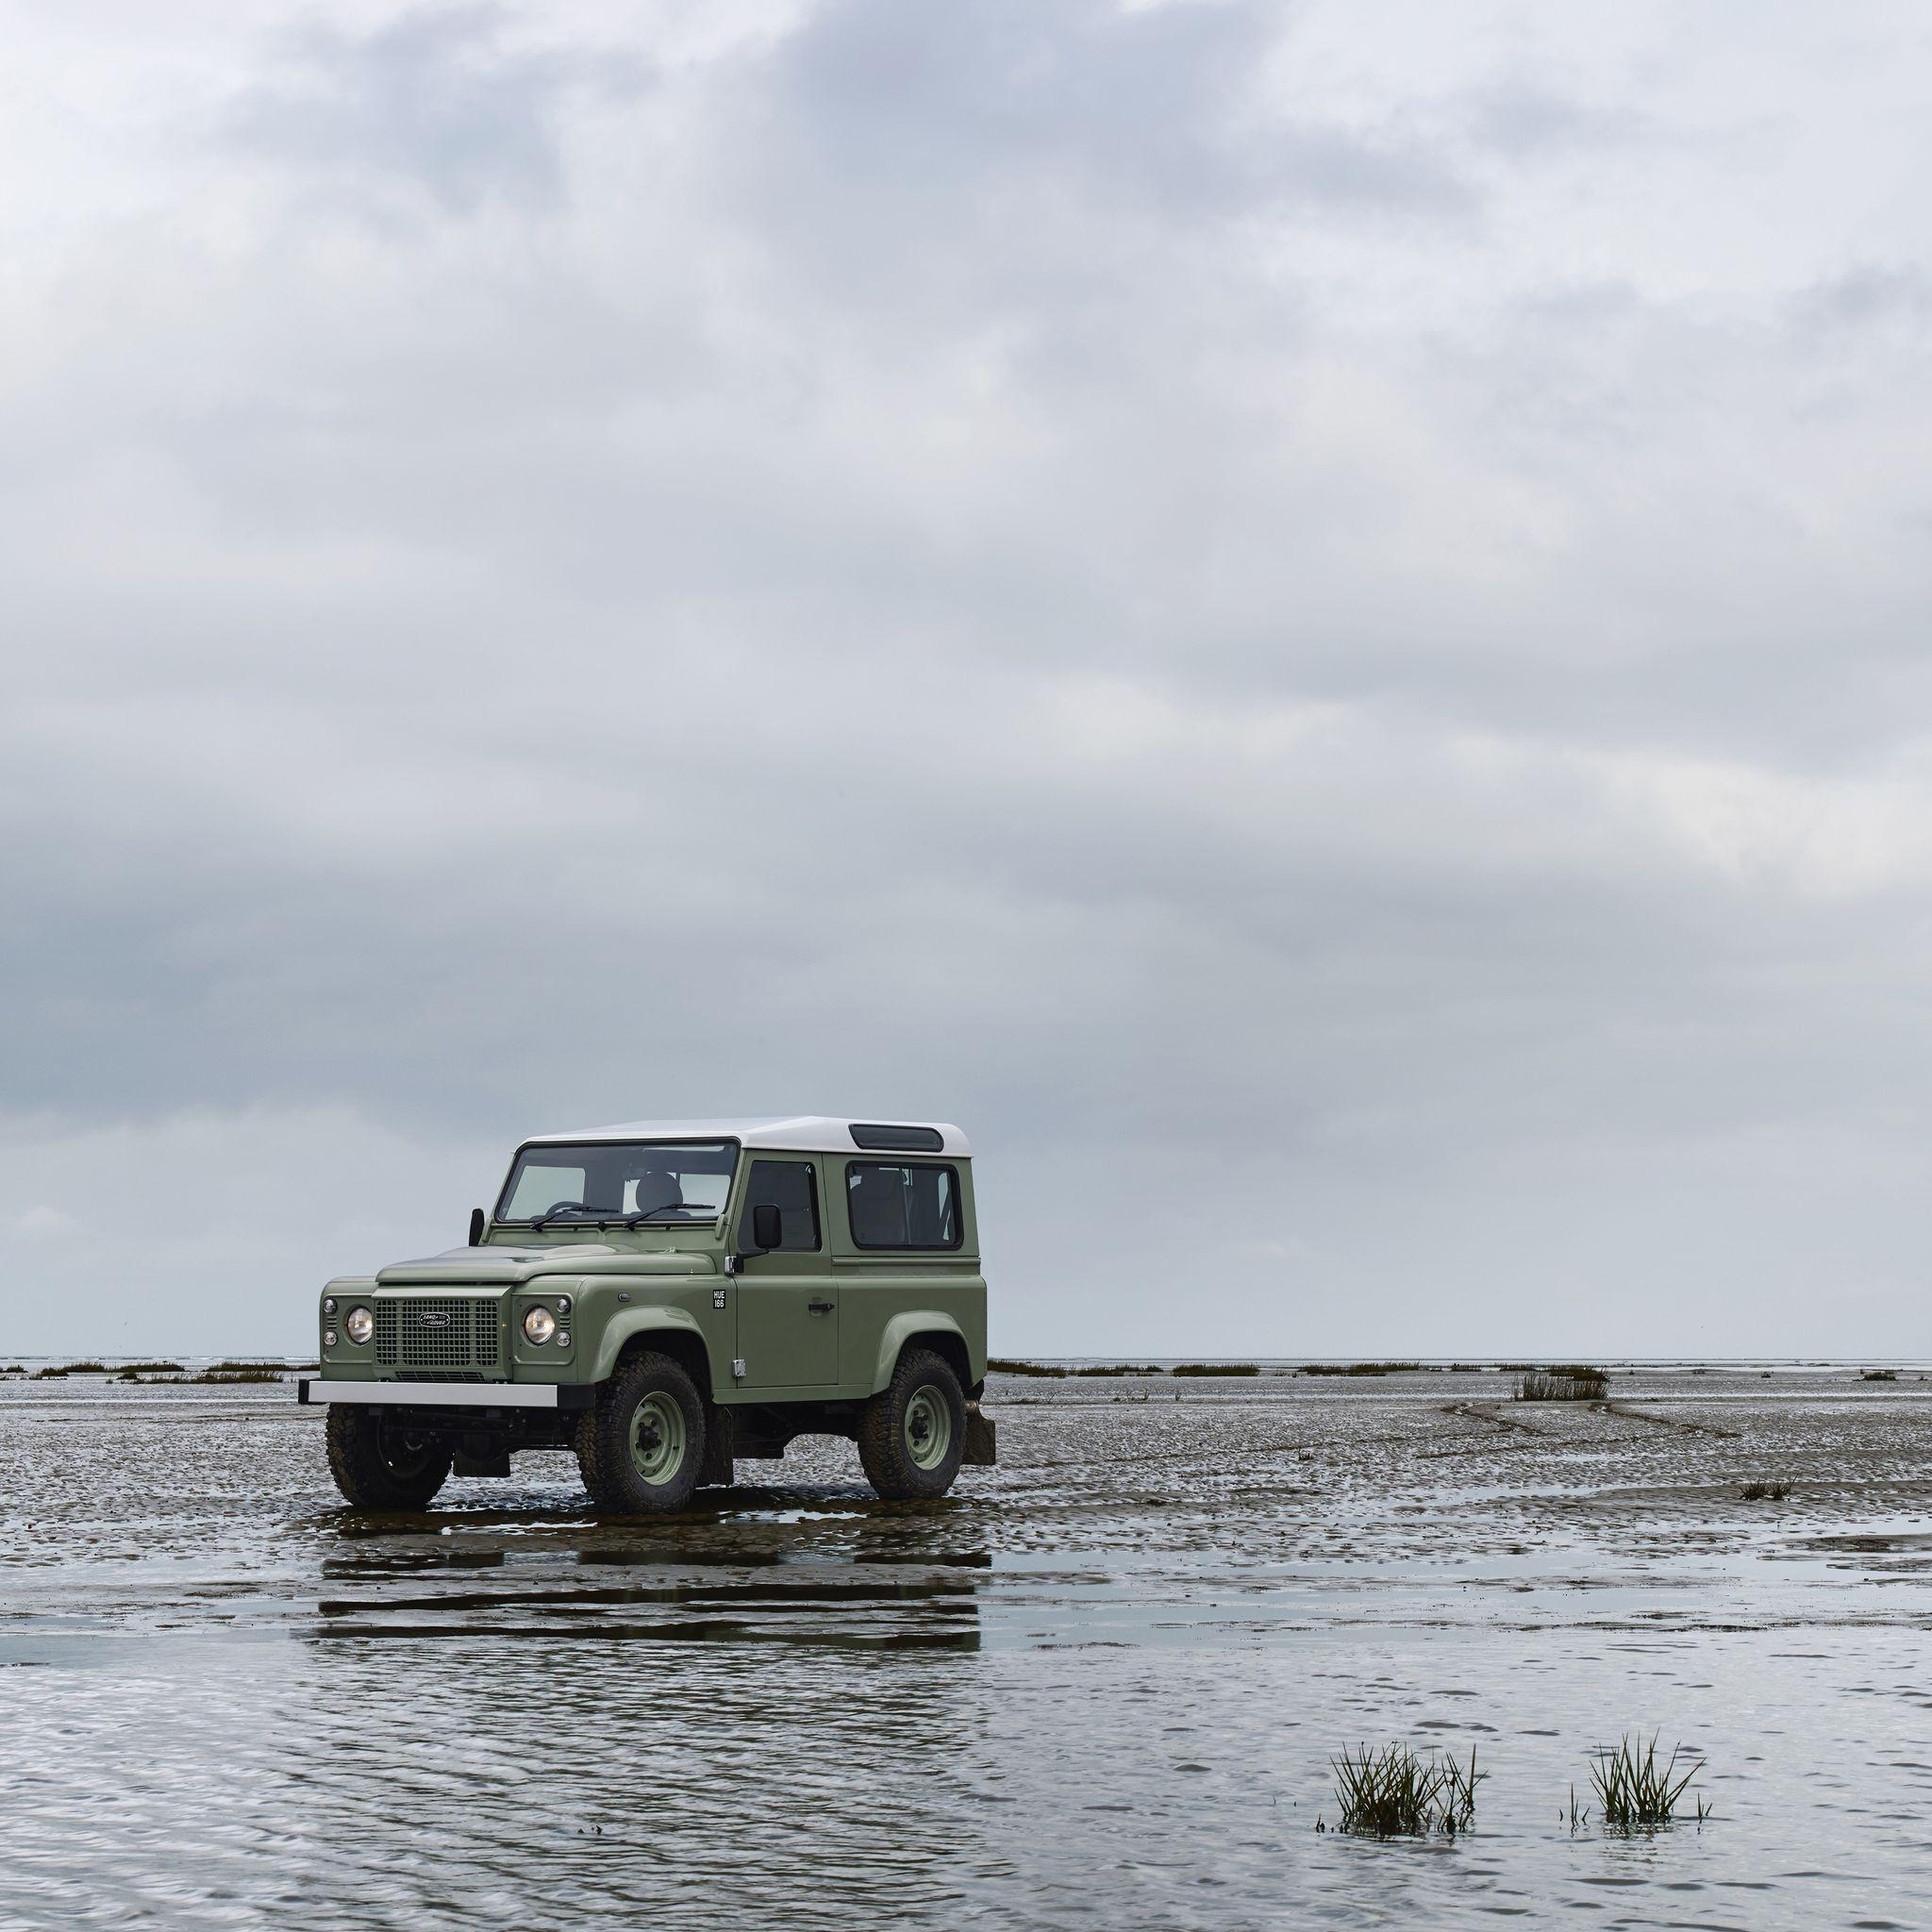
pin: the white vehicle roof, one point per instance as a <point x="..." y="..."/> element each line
<point x="811" y="1133"/>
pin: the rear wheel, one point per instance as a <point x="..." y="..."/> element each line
<point x="380" y="1462"/>
<point x="642" y="1447"/>
<point x="913" y="1431"/>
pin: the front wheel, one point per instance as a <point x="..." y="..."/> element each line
<point x="642" y="1447"/>
<point x="379" y="1462"/>
<point x="913" y="1431"/>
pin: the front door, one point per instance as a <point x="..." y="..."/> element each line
<point x="787" y="1303"/>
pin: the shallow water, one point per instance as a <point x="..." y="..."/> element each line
<point x="1098" y="1686"/>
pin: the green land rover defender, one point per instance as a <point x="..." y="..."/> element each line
<point x="667" y="1297"/>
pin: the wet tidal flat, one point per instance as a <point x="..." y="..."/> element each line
<point x="1099" y="1686"/>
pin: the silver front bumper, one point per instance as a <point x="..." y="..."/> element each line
<point x="450" y="1394"/>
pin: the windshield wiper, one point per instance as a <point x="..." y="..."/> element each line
<point x="651" y="1214"/>
<point x="563" y="1208"/>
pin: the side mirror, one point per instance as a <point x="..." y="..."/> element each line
<point x="477" y="1224"/>
<point x="767" y="1227"/>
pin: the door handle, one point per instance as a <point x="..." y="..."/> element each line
<point x="820" y="1308"/>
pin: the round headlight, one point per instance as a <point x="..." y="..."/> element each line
<point x="360" y="1324"/>
<point x="539" y="1324"/>
<point x="329" y="1338"/>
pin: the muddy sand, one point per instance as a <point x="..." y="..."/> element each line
<point x="1098" y="1686"/>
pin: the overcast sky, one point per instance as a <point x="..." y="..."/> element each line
<point x="1309" y="618"/>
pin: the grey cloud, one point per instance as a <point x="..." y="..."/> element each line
<point x="432" y="102"/>
<point x="1867" y="296"/>
<point x="1522" y="120"/>
<point x="1155" y="107"/>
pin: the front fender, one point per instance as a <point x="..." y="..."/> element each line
<point x="630" y="1322"/>
<point x="901" y="1329"/>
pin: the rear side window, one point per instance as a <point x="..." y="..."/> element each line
<point x="788" y="1186"/>
<point x="902" y="1207"/>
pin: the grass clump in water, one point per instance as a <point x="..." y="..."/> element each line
<point x="1569" y="1382"/>
<point x="1217" y="1369"/>
<point x="1004" y="1365"/>
<point x="1362" y="1368"/>
<point x="242" y="1372"/>
<point x="1773" y="1492"/>
<point x="130" y="1371"/>
<point x="1634" y="1794"/>
<point x="1393" y="1793"/>
<point x="70" y="1368"/>
<point x="1879" y="1375"/>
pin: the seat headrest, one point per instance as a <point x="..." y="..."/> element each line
<point x="656" y="1189"/>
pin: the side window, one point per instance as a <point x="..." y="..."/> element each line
<point x="790" y="1187"/>
<point x="894" y="1207"/>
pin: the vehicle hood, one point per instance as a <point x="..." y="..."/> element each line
<point x="500" y="1267"/>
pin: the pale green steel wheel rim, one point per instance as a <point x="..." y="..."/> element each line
<point x="657" y="1438"/>
<point x="928" y="1429"/>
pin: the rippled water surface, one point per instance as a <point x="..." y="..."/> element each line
<point x="1098" y="1686"/>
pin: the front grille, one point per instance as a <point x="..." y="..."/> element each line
<point x="460" y="1332"/>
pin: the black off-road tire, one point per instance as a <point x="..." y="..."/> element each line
<point x="379" y="1463"/>
<point x="625" y="1447"/>
<point x="897" y="1428"/>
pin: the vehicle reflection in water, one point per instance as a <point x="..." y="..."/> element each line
<point x="762" y="1713"/>
<point x="766" y="1567"/>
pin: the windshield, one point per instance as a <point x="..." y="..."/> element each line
<point x="663" y="1183"/>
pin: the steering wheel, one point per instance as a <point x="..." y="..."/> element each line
<point x="558" y="1207"/>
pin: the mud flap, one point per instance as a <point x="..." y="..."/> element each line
<point x="717" y="1471"/>
<point x="982" y="1451"/>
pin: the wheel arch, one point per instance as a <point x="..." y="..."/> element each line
<point x="923" y="1329"/>
<point x="668" y="1331"/>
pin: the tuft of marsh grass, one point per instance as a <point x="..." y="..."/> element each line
<point x="1003" y="1365"/>
<point x="1574" y="1382"/>
<point x="242" y="1371"/>
<point x="70" y="1368"/>
<point x="1633" y="1794"/>
<point x="1362" y="1368"/>
<point x="130" y="1370"/>
<point x="1879" y="1375"/>
<point x="1774" y="1492"/>
<point x="1217" y="1369"/>
<point x="1393" y="1793"/>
